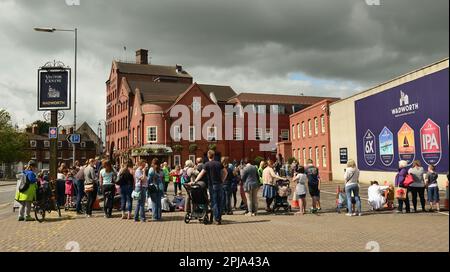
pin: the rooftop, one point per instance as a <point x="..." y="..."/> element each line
<point x="150" y="69"/>
<point x="260" y="98"/>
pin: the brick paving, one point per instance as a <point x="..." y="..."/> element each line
<point x="325" y="232"/>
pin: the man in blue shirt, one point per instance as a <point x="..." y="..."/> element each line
<point x="29" y="195"/>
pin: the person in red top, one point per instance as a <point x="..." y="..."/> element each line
<point x="176" y="178"/>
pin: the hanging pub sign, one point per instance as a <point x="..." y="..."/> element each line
<point x="54" y="89"/>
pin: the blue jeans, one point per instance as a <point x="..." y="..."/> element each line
<point x="156" y="204"/>
<point x="355" y="189"/>
<point x="216" y="194"/>
<point x="79" y="188"/>
<point x="125" y="198"/>
<point x="140" y="206"/>
<point x="227" y="194"/>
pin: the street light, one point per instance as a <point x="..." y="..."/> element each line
<point x="52" y="30"/>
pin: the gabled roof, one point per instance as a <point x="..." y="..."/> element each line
<point x="222" y="93"/>
<point x="158" y="91"/>
<point x="259" y="98"/>
<point x="150" y="69"/>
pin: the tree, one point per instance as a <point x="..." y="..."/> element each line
<point x="42" y="126"/>
<point x="12" y="143"/>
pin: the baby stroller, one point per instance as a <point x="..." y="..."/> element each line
<point x="281" y="198"/>
<point x="200" y="208"/>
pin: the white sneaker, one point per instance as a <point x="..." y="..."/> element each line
<point x="253" y="214"/>
<point x="248" y="214"/>
<point x="349" y="214"/>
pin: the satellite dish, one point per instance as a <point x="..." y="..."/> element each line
<point x="213" y="97"/>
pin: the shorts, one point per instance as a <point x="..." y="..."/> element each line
<point x="301" y="196"/>
<point x="314" y="190"/>
<point x="433" y="194"/>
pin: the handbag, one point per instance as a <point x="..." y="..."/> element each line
<point x="409" y="179"/>
<point x="88" y="188"/>
<point x="136" y="195"/>
<point x="400" y="193"/>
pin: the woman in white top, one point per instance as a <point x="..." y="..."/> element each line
<point x="351" y="178"/>
<point x="269" y="181"/>
<point x="376" y="197"/>
<point x="107" y="183"/>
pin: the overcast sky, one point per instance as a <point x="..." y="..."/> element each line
<point x="316" y="47"/>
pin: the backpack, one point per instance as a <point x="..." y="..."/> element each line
<point x="24" y="183"/>
<point x="185" y="177"/>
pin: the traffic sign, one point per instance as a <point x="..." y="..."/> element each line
<point x="53" y="133"/>
<point x="74" y="138"/>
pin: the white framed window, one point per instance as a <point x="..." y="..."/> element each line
<point x="280" y="109"/>
<point x="177" y="160"/>
<point x="309" y="128"/>
<point x="269" y="134"/>
<point x="212" y="134"/>
<point x="317" y="157"/>
<point x="192" y="158"/>
<point x="47" y="155"/>
<point x="237" y="134"/>
<point x="177" y="133"/>
<point x="83" y="144"/>
<point x="304" y="156"/>
<point x="298" y="131"/>
<point x="310" y="153"/>
<point x="34" y="155"/>
<point x="324" y="156"/>
<point x="60" y="144"/>
<point x="303" y="130"/>
<point x="294" y="153"/>
<point x="152" y="134"/>
<point x="192" y="133"/>
<point x="59" y="155"/>
<point x="285" y="134"/>
<point x="261" y="109"/>
<point x="258" y="134"/>
<point x="322" y="124"/>
<point x="316" y="126"/>
<point x="293" y="132"/>
<point x="299" y="155"/>
<point x="33" y="143"/>
<point x="46" y="143"/>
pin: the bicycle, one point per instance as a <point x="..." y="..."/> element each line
<point x="45" y="203"/>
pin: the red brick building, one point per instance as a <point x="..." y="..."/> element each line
<point x="140" y="97"/>
<point x="310" y="138"/>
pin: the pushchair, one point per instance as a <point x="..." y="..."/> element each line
<point x="200" y="207"/>
<point x="282" y="196"/>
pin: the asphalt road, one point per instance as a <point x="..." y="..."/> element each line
<point x="6" y="200"/>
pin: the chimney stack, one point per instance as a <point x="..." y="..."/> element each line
<point x="142" y="56"/>
<point x="35" y="130"/>
<point x="179" y="68"/>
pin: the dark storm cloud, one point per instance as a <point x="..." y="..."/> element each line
<point x="344" y="40"/>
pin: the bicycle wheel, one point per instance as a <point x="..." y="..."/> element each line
<point x="39" y="213"/>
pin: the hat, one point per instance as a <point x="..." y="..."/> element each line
<point x="32" y="163"/>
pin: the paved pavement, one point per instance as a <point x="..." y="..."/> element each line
<point x="325" y="232"/>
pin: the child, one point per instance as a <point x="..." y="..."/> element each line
<point x="389" y="194"/>
<point x="176" y="179"/>
<point x="341" y="198"/>
<point x="433" y="189"/>
<point x="376" y="197"/>
<point x="300" y="190"/>
<point x="69" y="189"/>
<point x="179" y="202"/>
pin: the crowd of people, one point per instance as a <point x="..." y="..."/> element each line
<point x="146" y="184"/>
